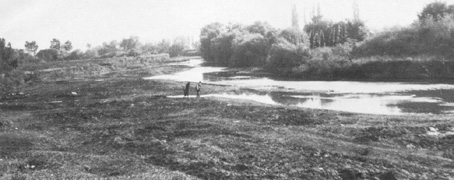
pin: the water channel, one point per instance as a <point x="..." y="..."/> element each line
<point x="390" y="98"/>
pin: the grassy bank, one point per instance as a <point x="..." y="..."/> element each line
<point x="125" y="127"/>
<point x="371" y="69"/>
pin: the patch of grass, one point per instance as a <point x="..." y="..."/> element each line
<point x="14" y="143"/>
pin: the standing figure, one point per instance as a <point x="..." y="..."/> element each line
<point x="186" y="90"/>
<point x="197" y="88"/>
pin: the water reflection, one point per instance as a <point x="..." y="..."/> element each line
<point x="352" y="96"/>
<point x="193" y="75"/>
<point x="337" y="86"/>
<point x="394" y="104"/>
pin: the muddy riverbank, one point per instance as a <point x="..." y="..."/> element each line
<point x="122" y="126"/>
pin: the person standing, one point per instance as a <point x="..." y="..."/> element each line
<point x="198" y="87"/>
<point x="186" y="90"/>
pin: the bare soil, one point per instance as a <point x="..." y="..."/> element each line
<point x="118" y="126"/>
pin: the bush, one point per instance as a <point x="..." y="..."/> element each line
<point x="398" y="42"/>
<point x="249" y="50"/>
<point x="235" y="45"/>
<point x="208" y="33"/>
<point x="75" y="55"/>
<point x="284" y="56"/>
<point x="12" y="81"/>
<point x="295" y="36"/>
<point x="427" y="37"/>
<point x="132" y="53"/>
<point x="176" y="50"/>
<point x="90" y="53"/>
<point x="48" y="54"/>
<point x="222" y="48"/>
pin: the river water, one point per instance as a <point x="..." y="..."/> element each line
<point x="390" y="98"/>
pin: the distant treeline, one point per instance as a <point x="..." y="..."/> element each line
<point x="17" y="65"/>
<point x="280" y="51"/>
<point x="127" y="47"/>
<point x="236" y="45"/>
<point x="341" y="50"/>
<point x="431" y="35"/>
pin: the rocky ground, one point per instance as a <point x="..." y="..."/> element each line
<point x="116" y="125"/>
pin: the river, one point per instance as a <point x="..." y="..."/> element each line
<point x="387" y="98"/>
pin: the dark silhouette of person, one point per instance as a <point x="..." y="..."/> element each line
<point x="186" y="90"/>
<point x="198" y="87"/>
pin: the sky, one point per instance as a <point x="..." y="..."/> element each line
<point x="96" y="21"/>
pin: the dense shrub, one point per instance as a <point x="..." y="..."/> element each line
<point x="108" y="50"/>
<point x="432" y="35"/>
<point x="324" y="33"/>
<point x="12" y="81"/>
<point x="176" y="49"/>
<point x="191" y="52"/>
<point x="436" y="10"/>
<point x="397" y="42"/>
<point x="91" y="53"/>
<point x="221" y="48"/>
<point x="131" y="53"/>
<point x="249" y="50"/>
<point x="75" y="55"/>
<point x="236" y="45"/>
<point x="285" y="56"/>
<point x="208" y="33"/>
<point x="48" y="54"/>
<point x="12" y="76"/>
<point x="294" y="36"/>
<point x="437" y="36"/>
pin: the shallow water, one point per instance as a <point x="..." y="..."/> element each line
<point x="392" y="98"/>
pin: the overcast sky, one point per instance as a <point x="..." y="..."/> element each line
<point x="97" y="21"/>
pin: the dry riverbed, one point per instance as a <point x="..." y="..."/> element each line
<point x="126" y="128"/>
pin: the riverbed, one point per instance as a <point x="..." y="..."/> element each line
<point x="387" y="98"/>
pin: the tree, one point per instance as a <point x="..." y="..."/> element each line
<point x="55" y="44"/>
<point x="163" y="46"/>
<point x="436" y="10"/>
<point x="285" y="56"/>
<point x="294" y="36"/>
<point x="108" y="49"/>
<point x="31" y="47"/>
<point x="265" y="30"/>
<point x="208" y="33"/>
<point x="7" y="54"/>
<point x="90" y="53"/>
<point x="67" y="46"/>
<point x="221" y="48"/>
<point x="176" y="49"/>
<point x="10" y="80"/>
<point x="249" y="50"/>
<point x="76" y="54"/>
<point x="319" y="31"/>
<point x="325" y="33"/>
<point x="130" y="43"/>
<point x="357" y="30"/>
<point x="48" y="54"/>
<point x="149" y="48"/>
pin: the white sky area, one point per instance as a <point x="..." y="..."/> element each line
<point x="98" y="21"/>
